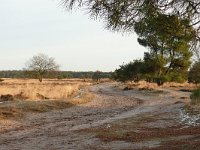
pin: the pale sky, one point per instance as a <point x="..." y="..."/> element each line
<point x="77" y="43"/>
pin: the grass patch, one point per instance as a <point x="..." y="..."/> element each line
<point x="18" y="97"/>
<point x="34" y="90"/>
<point x="195" y="97"/>
<point x="158" y="91"/>
<point x="131" y="131"/>
<point x="192" y="109"/>
<point x="10" y="112"/>
<point x="179" y="145"/>
<point x="82" y="98"/>
<point x="17" y="109"/>
<point x="43" y="106"/>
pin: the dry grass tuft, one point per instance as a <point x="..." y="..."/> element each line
<point x="82" y="98"/>
<point x="17" y="109"/>
<point x="42" y="106"/>
<point x="143" y="85"/>
<point x="9" y="112"/>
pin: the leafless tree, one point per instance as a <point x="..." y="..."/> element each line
<point x="41" y="64"/>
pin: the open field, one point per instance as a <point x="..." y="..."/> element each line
<point x="107" y="116"/>
<point x="18" y="96"/>
<point x="30" y="89"/>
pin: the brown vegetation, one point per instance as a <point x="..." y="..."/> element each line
<point x="20" y="96"/>
<point x="34" y="90"/>
<point x="138" y="129"/>
<point x="82" y="98"/>
<point x="17" y="109"/>
<point x="143" y="85"/>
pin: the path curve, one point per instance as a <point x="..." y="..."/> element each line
<point x="58" y="129"/>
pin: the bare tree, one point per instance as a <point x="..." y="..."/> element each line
<point x="41" y="64"/>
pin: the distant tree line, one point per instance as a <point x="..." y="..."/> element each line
<point x="55" y="74"/>
<point x="42" y="66"/>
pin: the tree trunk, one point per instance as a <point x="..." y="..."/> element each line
<point x="40" y="78"/>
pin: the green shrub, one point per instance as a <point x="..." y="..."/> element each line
<point x="194" y="73"/>
<point x="195" y="97"/>
<point x="177" y="77"/>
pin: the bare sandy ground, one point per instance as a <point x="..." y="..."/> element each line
<point x="72" y="128"/>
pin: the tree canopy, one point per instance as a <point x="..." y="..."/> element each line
<point x="123" y="14"/>
<point x="169" y="39"/>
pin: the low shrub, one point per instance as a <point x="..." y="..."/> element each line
<point x="7" y="97"/>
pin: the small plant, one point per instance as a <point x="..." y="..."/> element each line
<point x="195" y="97"/>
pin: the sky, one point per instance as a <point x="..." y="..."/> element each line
<point x="78" y="43"/>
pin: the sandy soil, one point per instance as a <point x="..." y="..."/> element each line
<point x="145" y="117"/>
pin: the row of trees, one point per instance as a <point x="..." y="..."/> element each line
<point x="42" y="66"/>
<point x="54" y="74"/>
<point x="145" y="70"/>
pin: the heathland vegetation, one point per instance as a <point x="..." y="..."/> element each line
<point x="18" y="96"/>
<point x="145" y="114"/>
<point x="168" y="29"/>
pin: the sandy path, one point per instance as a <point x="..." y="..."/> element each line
<point x="59" y="129"/>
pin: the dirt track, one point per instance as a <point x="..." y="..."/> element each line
<point x="77" y="127"/>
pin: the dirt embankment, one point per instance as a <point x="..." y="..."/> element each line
<point x="114" y="119"/>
